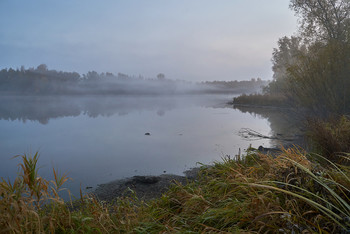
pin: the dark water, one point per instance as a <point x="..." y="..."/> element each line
<point x="99" y="139"/>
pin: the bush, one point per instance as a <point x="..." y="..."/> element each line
<point x="275" y="100"/>
<point x="319" y="81"/>
<point x="331" y="138"/>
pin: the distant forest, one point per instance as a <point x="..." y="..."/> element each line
<point x="42" y="81"/>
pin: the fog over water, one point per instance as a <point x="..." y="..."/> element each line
<point x="97" y="139"/>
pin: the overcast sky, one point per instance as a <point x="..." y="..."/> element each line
<point x="192" y="40"/>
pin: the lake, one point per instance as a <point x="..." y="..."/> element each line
<point x="99" y="139"/>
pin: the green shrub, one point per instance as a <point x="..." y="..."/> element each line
<point x="331" y="138"/>
<point x="275" y="100"/>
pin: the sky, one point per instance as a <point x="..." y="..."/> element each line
<point x="193" y="40"/>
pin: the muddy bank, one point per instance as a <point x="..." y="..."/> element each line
<point x="150" y="187"/>
<point x="145" y="187"/>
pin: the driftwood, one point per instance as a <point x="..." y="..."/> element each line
<point x="252" y="135"/>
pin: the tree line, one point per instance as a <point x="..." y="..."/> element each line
<point x="42" y="81"/>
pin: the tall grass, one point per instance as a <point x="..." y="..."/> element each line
<point x="256" y="193"/>
<point x="31" y="204"/>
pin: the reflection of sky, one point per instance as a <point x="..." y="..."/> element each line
<point x="185" y="39"/>
<point x="103" y="148"/>
<point x="42" y="109"/>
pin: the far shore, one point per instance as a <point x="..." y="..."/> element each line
<point x="260" y="106"/>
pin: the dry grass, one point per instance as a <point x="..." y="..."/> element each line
<point x="259" y="194"/>
<point x="255" y="193"/>
<point x="31" y="204"/>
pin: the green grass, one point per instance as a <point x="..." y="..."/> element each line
<point x="292" y="192"/>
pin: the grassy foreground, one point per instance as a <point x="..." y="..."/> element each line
<point x="293" y="192"/>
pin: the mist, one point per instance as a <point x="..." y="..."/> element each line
<point x="42" y="81"/>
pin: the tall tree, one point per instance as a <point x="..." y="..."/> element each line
<point x="323" y="19"/>
<point x="286" y="55"/>
<point x="313" y="69"/>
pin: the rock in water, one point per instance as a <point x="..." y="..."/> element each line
<point x="272" y="151"/>
<point x="146" y="179"/>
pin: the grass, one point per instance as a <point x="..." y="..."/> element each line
<point x="292" y="192"/>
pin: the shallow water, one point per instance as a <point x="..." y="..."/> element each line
<point x="99" y="139"/>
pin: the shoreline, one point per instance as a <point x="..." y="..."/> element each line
<point x="275" y="107"/>
<point x="143" y="187"/>
<point x="148" y="187"/>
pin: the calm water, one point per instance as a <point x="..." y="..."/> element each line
<point x="99" y="139"/>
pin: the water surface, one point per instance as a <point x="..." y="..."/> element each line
<point x="99" y="139"/>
